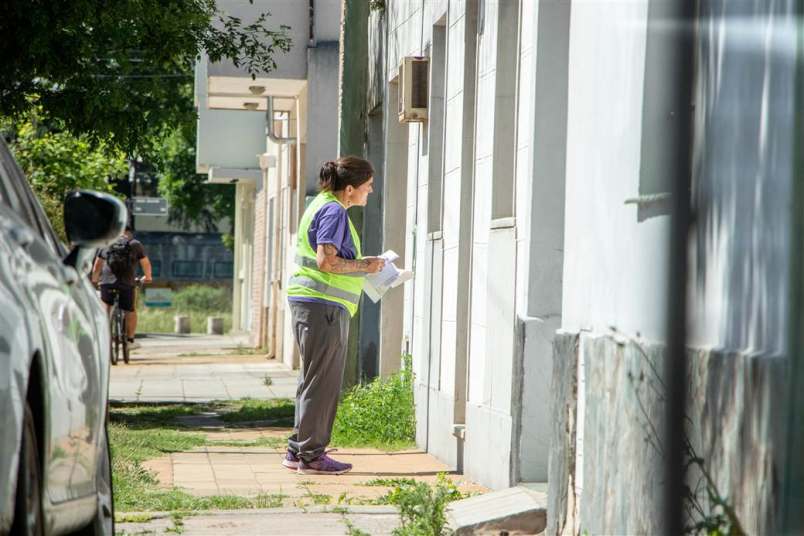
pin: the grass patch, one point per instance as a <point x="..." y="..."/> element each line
<point x="132" y="517"/>
<point x="421" y="506"/>
<point x="148" y="416"/>
<point x="378" y="414"/>
<point x="196" y="301"/>
<point x="160" y="320"/>
<point x="260" y="442"/>
<point x="136" y="489"/>
<point x="390" y="482"/>
<point x="278" y="411"/>
<point x="316" y="498"/>
<point x="139" y="433"/>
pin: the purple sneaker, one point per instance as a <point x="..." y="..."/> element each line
<point x="291" y="461"/>
<point x="323" y="465"/>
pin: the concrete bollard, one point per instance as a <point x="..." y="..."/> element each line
<point x="182" y="324"/>
<point x="214" y="325"/>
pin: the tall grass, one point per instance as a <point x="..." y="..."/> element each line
<point x="195" y="301"/>
<point x="379" y="413"/>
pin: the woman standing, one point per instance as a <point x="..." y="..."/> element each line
<point x="324" y="293"/>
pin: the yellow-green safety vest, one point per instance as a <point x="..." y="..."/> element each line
<point x="310" y="282"/>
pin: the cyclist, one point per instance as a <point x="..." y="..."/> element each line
<point x="115" y="267"/>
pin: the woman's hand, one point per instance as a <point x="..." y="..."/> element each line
<point x="374" y="264"/>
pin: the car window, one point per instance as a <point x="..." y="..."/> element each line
<point x="27" y="205"/>
<point x="7" y="191"/>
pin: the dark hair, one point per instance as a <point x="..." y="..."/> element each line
<point x="345" y="171"/>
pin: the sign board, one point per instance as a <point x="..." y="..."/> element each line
<point x="158" y="297"/>
<point x="149" y="206"/>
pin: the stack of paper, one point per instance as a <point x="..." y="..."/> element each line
<point x="390" y="276"/>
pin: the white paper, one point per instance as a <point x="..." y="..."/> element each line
<point x="376" y="285"/>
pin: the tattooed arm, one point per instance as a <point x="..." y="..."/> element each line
<point x="328" y="261"/>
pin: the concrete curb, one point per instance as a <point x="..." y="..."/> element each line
<point x="345" y="509"/>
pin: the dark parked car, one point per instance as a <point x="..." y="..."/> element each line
<point x="55" y="470"/>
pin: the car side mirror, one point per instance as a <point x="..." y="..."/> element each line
<point x="91" y="220"/>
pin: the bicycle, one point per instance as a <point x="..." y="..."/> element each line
<point x="117" y="324"/>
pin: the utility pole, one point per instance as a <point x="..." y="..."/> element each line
<point x="792" y="504"/>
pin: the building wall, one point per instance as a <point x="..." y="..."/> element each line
<point x="477" y="342"/>
<point x="607" y="387"/>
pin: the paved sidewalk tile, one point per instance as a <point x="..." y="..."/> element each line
<point x="377" y="521"/>
<point x="198" y="368"/>
<point x="252" y="471"/>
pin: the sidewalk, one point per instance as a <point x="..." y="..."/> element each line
<point x="315" y="521"/>
<point x="203" y="369"/>
<point x="198" y="368"/>
<point x="253" y="471"/>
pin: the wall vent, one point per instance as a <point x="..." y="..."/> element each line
<point x="413" y="88"/>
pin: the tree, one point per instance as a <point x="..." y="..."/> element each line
<point x="115" y="70"/>
<point x="191" y="199"/>
<point x="56" y="161"/>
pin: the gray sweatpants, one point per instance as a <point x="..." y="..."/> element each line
<point x="321" y="332"/>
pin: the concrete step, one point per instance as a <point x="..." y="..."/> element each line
<point x="519" y="510"/>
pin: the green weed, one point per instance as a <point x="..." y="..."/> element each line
<point x="390" y="482"/>
<point x="379" y="413"/>
<point x="422" y="507"/>
<point x="203" y="298"/>
<point x="140" y="433"/>
<point x="280" y="411"/>
<point x="160" y="320"/>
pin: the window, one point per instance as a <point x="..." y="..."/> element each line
<point x="24" y="202"/>
<point x="156" y="268"/>
<point x="188" y="269"/>
<point x="10" y="190"/>
<point x="661" y="117"/>
<point x="505" y="120"/>
<point x="223" y="269"/>
<point x="436" y="127"/>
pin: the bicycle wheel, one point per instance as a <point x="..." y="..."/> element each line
<point x="124" y="336"/>
<point x="114" y="340"/>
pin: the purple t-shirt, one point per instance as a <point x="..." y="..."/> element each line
<point x="330" y="225"/>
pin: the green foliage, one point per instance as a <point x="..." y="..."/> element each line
<point x="279" y="411"/>
<point x="203" y="298"/>
<point x="421" y="507"/>
<point x="118" y="72"/>
<point x="56" y="161"/>
<point x="389" y="482"/>
<point x="134" y="441"/>
<point x="196" y="301"/>
<point x="379" y="413"/>
<point x="158" y="320"/>
<point x="191" y="200"/>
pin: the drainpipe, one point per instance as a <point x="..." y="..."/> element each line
<point x="312" y="42"/>
<point x="792" y="507"/>
<point x="675" y="366"/>
<point x="269" y="125"/>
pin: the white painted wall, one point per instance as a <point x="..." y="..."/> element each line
<point x="293" y="13"/>
<point x="614" y="267"/>
<point x="441" y="328"/>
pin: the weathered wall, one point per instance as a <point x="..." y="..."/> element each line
<point x="563" y="408"/>
<point x="615" y="275"/>
<point x="734" y="428"/>
<point x="614" y="266"/>
<point x="322" y="112"/>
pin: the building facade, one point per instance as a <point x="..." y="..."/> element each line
<point x="532" y="205"/>
<point x="268" y="136"/>
<point x="478" y="224"/>
<point x="535" y="201"/>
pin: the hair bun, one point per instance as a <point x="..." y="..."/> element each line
<point x="345" y="171"/>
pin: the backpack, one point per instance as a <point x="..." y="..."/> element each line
<point x="119" y="258"/>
